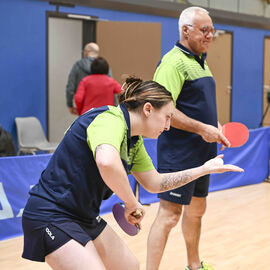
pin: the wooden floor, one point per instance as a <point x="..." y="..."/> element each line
<point x="236" y="234"/>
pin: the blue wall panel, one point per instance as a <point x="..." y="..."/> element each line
<point x="23" y="60"/>
<point x="248" y="79"/>
<point x="23" y="54"/>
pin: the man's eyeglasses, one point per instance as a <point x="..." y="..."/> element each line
<point x="205" y="29"/>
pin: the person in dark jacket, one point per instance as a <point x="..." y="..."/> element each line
<point x="81" y="69"/>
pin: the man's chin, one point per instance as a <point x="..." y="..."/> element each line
<point x="206" y="48"/>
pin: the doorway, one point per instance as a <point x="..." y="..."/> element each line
<point x="66" y="37"/>
<point x="129" y="47"/>
<point x="219" y="59"/>
<point x="266" y="81"/>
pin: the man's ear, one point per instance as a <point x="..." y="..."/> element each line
<point x="185" y="30"/>
<point x="147" y="109"/>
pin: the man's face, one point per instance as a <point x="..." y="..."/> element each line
<point x="201" y="34"/>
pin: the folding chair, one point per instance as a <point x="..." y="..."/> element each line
<point x="31" y="137"/>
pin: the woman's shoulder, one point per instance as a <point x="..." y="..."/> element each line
<point x="113" y="113"/>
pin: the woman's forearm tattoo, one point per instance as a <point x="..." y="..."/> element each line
<point x="173" y="180"/>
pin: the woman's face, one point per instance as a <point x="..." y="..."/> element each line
<point x="157" y="120"/>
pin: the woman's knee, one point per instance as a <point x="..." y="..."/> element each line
<point x="134" y="264"/>
<point x="129" y="261"/>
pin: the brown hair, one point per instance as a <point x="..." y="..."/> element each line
<point x="99" y="66"/>
<point x="137" y="92"/>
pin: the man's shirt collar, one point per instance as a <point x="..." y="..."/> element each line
<point x="185" y="50"/>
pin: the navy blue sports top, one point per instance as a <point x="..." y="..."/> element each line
<point x="189" y="79"/>
<point x="71" y="186"/>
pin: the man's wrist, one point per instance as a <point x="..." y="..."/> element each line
<point x="201" y="128"/>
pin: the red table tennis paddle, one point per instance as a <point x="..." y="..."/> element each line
<point x="119" y="215"/>
<point x="237" y="133"/>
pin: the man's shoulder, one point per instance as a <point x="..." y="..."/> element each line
<point x="76" y="65"/>
<point x="83" y="63"/>
<point x="175" y="57"/>
<point x="78" y="62"/>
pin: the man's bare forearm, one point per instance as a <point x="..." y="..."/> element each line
<point x="183" y="122"/>
<point x="209" y="133"/>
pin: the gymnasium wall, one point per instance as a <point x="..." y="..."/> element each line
<point x="23" y="60"/>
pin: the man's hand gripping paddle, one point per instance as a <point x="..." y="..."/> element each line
<point x="119" y="215"/>
<point x="236" y="133"/>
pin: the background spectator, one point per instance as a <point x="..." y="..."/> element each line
<point x="97" y="89"/>
<point x="79" y="70"/>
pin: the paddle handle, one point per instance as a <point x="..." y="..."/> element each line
<point x="137" y="213"/>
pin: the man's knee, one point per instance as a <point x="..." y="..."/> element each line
<point x="196" y="208"/>
<point x="170" y="213"/>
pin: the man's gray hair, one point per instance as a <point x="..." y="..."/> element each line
<point x="187" y="16"/>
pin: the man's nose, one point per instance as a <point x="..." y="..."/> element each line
<point x="209" y="35"/>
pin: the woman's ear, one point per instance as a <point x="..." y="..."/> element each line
<point x="147" y="109"/>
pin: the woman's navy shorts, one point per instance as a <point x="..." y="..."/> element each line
<point x="41" y="237"/>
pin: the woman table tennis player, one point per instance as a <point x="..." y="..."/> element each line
<point x="61" y="221"/>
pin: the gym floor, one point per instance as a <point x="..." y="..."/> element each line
<point x="235" y="234"/>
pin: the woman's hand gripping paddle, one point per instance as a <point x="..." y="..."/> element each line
<point x="236" y="133"/>
<point x="119" y="215"/>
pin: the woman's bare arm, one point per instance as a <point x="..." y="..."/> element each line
<point x="159" y="182"/>
<point x="115" y="177"/>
